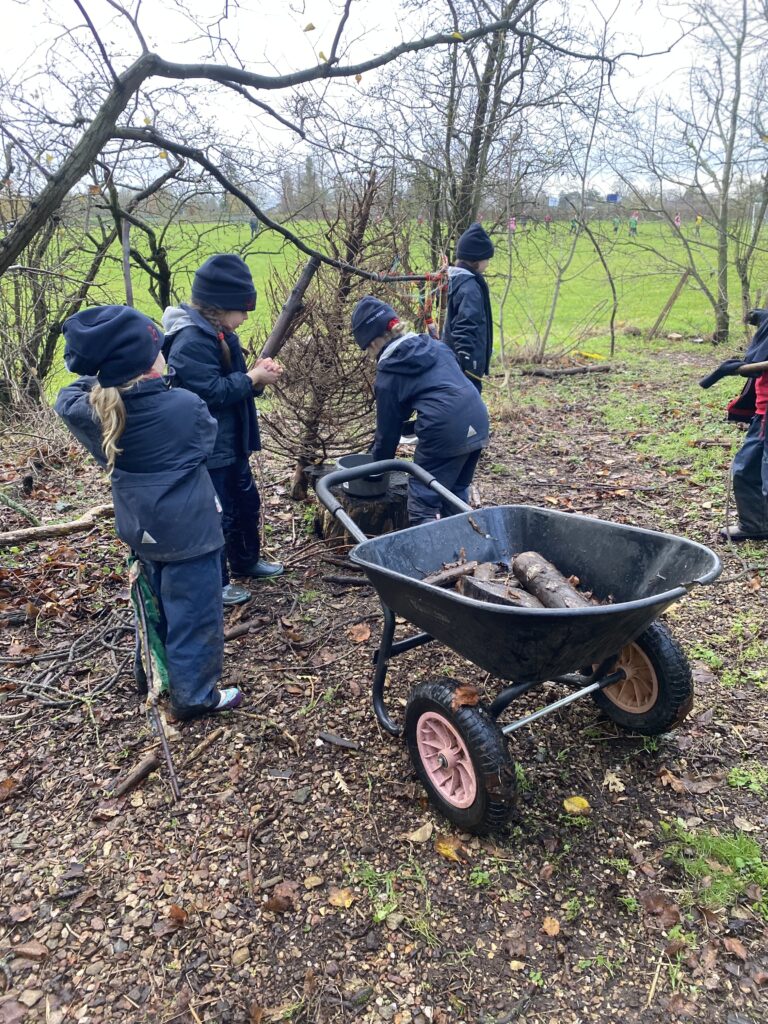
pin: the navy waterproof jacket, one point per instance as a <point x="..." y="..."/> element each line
<point x="468" y="328"/>
<point x="166" y="508"/>
<point x="416" y="372"/>
<point x="194" y="357"/>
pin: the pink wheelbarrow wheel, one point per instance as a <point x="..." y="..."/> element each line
<point x="461" y="758"/>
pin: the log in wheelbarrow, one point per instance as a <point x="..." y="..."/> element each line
<point x="614" y="652"/>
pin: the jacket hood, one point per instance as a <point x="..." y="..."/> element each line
<point x="408" y="354"/>
<point x="175" y="318"/>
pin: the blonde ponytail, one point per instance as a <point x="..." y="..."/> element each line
<point x="109" y="407"/>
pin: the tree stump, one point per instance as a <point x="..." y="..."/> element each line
<point x="374" y="516"/>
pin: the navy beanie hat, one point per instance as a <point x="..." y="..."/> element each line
<point x="113" y="343"/>
<point x="224" y="282"/>
<point x="475" y="244"/>
<point x="370" y="319"/>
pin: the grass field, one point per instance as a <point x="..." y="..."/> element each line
<point x="645" y="271"/>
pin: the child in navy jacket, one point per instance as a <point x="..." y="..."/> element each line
<point x="154" y="443"/>
<point x="415" y="372"/>
<point x="468" y="329"/>
<point x="205" y="357"/>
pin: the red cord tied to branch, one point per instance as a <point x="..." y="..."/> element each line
<point x="392" y="323"/>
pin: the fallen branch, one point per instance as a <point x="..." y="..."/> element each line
<point x="242" y="628"/>
<point x="347" y="581"/>
<point x="566" y="371"/>
<point x="202" y="746"/>
<point x="33" y="533"/>
<point x="148" y="764"/>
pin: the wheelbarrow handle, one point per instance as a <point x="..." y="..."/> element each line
<point x="340" y="476"/>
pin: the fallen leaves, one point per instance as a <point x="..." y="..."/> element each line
<point x="576" y="805"/>
<point x="451" y="848"/>
<point x="343" y="898"/>
<point x="550" y="926"/>
<point x="465" y="696"/>
<point x="420" y="835"/>
<point x="735" y="946"/>
<point x="664" y="911"/>
<point x="32" y="950"/>
<point x="7" y="786"/>
<point x="685" y="784"/>
<point x="613" y="783"/>
<point x="359" y="633"/>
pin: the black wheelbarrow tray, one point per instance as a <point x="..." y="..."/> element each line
<point x="614" y="651"/>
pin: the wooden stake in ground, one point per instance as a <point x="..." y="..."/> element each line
<point x="544" y="581"/>
<point x="668" y="305"/>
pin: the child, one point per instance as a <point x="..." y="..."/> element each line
<point x="616" y="224"/>
<point x="468" y="320"/>
<point x="633" y="224"/>
<point x="415" y="372"/>
<point x="154" y="443"/>
<point x="205" y="356"/>
<point x="750" y="464"/>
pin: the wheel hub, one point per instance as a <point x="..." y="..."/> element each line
<point x="446" y="759"/>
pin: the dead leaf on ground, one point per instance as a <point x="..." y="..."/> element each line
<point x="277" y="904"/>
<point x="657" y="905"/>
<point x="754" y="584"/>
<point x="576" y="805"/>
<point x="420" y="835"/>
<point x="464" y="697"/>
<point x="688" y="785"/>
<point x="451" y="848"/>
<point x="359" y="633"/>
<point x="255" y="1014"/>
<point x="313" y="881"/>
<point x="613" y="783"/>
<point x="551" y="926"/>
<point x="7" y="787"/>
<point x="178" y="914"/>
<point x="735" y="946"/>
<point x="341" y="897"/>
<point x="22" y="913"/>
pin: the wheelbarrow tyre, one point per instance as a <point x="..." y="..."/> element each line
<point x="476" y="791"/>
<point x="663" y="694"/>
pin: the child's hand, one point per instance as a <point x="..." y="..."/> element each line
<point x="265" y="371"/>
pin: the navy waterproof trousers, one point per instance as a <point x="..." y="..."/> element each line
<point x="240" y="510"/>
<point x="750" y="480"/>
<point x="192" y="629"/>
<point x="455" y="473"/>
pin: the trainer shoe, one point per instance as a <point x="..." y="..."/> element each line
<point x="260" y="570"/>
<point x="233" y="594"/>
<point x="737" y="533"/>
<point x="229" y="698"/>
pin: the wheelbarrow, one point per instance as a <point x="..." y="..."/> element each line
<point x="614" y="652"/>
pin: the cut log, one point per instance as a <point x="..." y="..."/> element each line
<point x="374" y="515"/>
<point x="33" y="533"/>
<point x="496" y="572"/>
<point x="447" y="577"/>
<point x="544" y="581"/>
<point x="497" y="593"/>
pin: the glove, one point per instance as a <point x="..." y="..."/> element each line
<point x="730" y="368"/>
<point x="408" y="429"/>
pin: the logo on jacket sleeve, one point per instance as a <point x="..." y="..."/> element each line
<point x="147" y="538"/>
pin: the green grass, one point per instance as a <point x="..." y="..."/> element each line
<point x="719" y="866"/>
<point x="643" y="279"/>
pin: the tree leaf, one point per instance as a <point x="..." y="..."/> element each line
<point x="613" y="783"/>
<point x="576" y="805"/>
<point x="359" y="633"/>
<point x="178" y="914"/>
<point x="450" y="847"/>
<point x="465" y="697"/>
<point x="735" y="946"/>
<point x="420" y="835"/>
<point x="341" y="897"/>
<point x="551" y="926"/>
